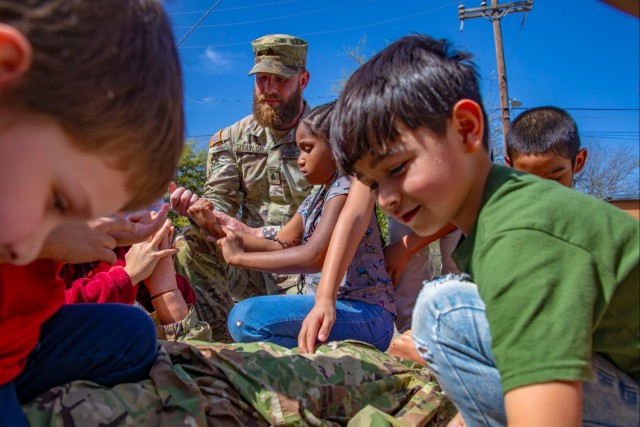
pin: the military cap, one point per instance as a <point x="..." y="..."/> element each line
<point x="279" y="54"/>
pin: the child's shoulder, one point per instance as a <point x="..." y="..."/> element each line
<point x="521" y="196"/>
<point x="514" y="201"/>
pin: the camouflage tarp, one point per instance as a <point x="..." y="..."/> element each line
<point x="346" y="383"/>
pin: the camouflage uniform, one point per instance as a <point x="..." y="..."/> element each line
<point x="258" y="384"/>
<point x="253" y="176"/>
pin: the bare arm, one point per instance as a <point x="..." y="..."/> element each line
<point x="397" y="254"/>
<point x="306" y="258"/>
<point x="347" y="234"/>
<point x="166" y="298"/>
<point x="545" y="404"/>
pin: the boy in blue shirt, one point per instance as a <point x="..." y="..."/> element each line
<point x="544" y="141"/>
<point x="554" y="339"/>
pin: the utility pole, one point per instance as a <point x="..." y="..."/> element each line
<point x="494" y="13"/>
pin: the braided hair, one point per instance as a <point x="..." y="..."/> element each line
<point x="318" y="122"/>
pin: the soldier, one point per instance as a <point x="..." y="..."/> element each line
<point x="252" y="175"/>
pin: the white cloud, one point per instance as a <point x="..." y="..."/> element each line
<point x="215" y="62"/>
<point x="205" y="100"/>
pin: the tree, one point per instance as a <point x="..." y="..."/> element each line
<point x="359" y="56"/>
<point x="191" y="174"/>
<point x="608" y="170"/>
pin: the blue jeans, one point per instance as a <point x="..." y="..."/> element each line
<point x="278" y="319"/>
<point x="451" y="332"/>
<point x="107" y="344"/>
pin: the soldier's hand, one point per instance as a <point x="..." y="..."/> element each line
<point x="181" y="199"/>
<point x="232" y="246"/>
<point x="202" y="213"/>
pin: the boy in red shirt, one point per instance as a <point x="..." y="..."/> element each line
<point x="82" y="112"/>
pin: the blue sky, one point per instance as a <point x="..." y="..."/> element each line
<point x="582" y="54"/>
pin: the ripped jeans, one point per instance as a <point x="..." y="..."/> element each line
<point x="451" y="332"/>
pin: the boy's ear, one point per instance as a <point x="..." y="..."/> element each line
<point x="581" y="160"/>
<point x="15" y="54"/>
<point x="468" y="118"/>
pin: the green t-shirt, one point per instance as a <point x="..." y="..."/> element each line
<point x="558" y="272"/>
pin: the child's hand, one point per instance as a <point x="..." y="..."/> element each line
<point x="233" y="224"/>
<point x="202" y="213"/>
<point x="181" y="199"/>
<point x="318" y="323"/>
<point x="142" y="258"/>
<point x="396" y="255"/>
<point x="144" y="224"/>
<point x="231" y="246"/>
<point x="79" y="242"/>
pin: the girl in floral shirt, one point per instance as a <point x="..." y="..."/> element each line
<point x="360" y="307"/>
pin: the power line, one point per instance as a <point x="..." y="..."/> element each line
<point x="277" y="18"/>
<point x="494" y="13"/>
<point x="339" y="30"/>
<point x="198" y="23"/>
<point x="587" y="109"/>
<point x="215" y="101"/>
<point x="227" y="9"/>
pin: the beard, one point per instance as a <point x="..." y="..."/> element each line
<point x="279" y="116"/>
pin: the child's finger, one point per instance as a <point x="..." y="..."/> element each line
<point x="311" y="342"/>
<point x="228" y="231"/>
<point x="312" y="333"/>
<point x="325" y="329"/>
<point x="165" y="253"/>
<point x="157" y="238"/>
<point x="302" y="338"/>
<point x="170" y="234"/>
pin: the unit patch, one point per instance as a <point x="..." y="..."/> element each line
<point x="216" y="139"/>
<point x="273" y="174"/>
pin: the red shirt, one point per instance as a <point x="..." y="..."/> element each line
<point x="103" y="283"/>
<point x="29" y="295"/>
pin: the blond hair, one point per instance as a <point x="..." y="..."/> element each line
<point x="107" y="72"/>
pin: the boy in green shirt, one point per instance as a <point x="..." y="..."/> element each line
<point x="554" y="339"/>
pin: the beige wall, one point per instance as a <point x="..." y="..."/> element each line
<point x="632" y="207"/>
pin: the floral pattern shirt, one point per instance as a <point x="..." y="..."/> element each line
<point x="366" y="278"/>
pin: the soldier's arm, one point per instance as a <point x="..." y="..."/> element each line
<point x="223" y="177"/>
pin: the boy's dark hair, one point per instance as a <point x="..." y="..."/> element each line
<point x="318" y="122"/>
<point x="415" y="81"/>
<point x="108" y="73"/>
<point x="543" y="130"/>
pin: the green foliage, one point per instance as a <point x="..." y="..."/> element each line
<point x="191" y="174"/>
<point x="383" y="224"/>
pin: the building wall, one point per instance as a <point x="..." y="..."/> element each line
<point x="632" y="207"/>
